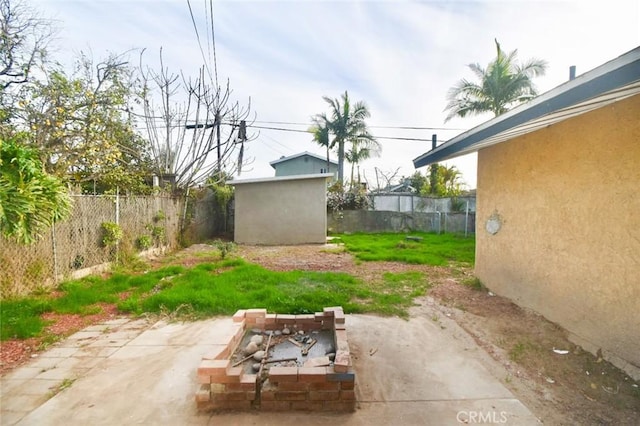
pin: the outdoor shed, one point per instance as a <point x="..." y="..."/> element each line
<point x="558" y="207"/>
<point x="281" y="210"/>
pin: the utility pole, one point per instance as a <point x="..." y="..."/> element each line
<point x="434" y="167"/>
<point x="217" y="123"/>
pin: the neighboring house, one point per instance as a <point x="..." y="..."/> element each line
<point x="402" y="187"/>
<point x="304" y="163"/>
<point x="558" y="206"/>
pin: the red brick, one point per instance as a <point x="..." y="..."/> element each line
<point x="213" y="367"/>
<point x="305" y="318"/>
<point x="217" y="388"/>
<point x="319" y="316"/>
<point x="248" y="379"/>
<point x="347" y="395"/>
<point x="339" y="406"/>
<point x="270" y="319"/>
<point x="235" y="387"/>
<point x="283" y="374"/>
<point x="269" y="395"/>
<point x="255" y="313"/>
<point x="275" y="405"/>
<point x="215" y="396"/>
<point x="285" y="319"/>
<point x="340" y="326"/>
<point x="225" y="379"/>
<point x="239" y="315"/>
<point x="324" y="395"/>
<point x="236" y="396"/>
<point x="312" y="374"/>
<point x="324" y="386"/>
<point x="342" y="362"/>
<point x="224" y="354"/>
<point x="204" y="378"/>
<point x="331" y="310"/>
<point x="347" y="385"/>
<point x="204" y="405"/>
<point x="235" y="371"/>
<point x="260" y="322"/>
<point x="338" y="316"/>
<point x="291" y="395"/>
<point x="307" y="405"/>
<point x="203" y="394"/>
<point x="342" y="344"/>
<point x="293" y="386"/>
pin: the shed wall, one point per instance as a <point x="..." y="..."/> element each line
<point x="281" y="212"/>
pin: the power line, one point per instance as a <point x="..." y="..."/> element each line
<point x="195" y="27"/>
<point x="213" y="42"/>
<point x="372" y="127"/>
<point x="376" y="137"/>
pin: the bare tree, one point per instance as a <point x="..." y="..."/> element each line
<point x="23" y="43"/>
<point x="384" y="179"/>
<point x="195" y="130"/>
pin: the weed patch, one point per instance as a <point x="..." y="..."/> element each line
<point x="20" y="318"/>
<point x="216" y="288"/>
<point x="474" y="283"/>
<point x="432" y="249"/>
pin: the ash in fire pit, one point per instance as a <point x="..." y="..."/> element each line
<point x="281" y="362"/>
<point x="286" y="349"/>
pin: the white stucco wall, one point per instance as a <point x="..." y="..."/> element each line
<point x="282" y="210"/>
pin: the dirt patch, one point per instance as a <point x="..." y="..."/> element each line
<point x="14" y="352"/>
<point x="560" y="389"/>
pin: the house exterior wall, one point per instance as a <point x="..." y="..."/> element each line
<point x="303" y="165"/>
<point x="568" y="200"/>
<point x="274" y="211"/>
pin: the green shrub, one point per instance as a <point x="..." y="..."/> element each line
<point x="144" y="242"/>
<point x="111" y="234"/>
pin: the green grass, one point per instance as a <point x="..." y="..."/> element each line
<point x="433" y="249"/>
<point x="217" y="288"/>
<point x="20" y="318"/>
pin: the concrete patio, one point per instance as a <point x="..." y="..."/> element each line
<point x="131" y="371"/>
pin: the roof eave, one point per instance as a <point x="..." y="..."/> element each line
<point x="609" y="76"/>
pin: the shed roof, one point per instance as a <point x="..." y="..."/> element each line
<point x="608" y="83"/>
<point x="302" y="154"/>
<point x="280" y="178"/>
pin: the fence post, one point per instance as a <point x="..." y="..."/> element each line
<point x="466" y="219"/>
<point x="55" y="253"/>
<point x="117" y="220"/>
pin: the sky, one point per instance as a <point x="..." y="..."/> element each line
<point x="399" y="57"/>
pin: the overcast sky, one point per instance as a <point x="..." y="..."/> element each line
<point x="400" y="57"/>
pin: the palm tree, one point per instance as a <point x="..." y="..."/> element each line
<point x="361" y="149"/>
<point x="347" y="125"/>
<point x="320" y="132"/>
<point x="503" y="84"/>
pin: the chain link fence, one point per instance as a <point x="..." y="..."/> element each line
<point x="76" y="245"/>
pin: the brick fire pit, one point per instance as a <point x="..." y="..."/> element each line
<point x="309" y="380"/>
